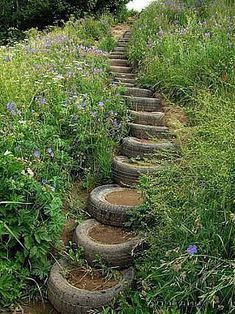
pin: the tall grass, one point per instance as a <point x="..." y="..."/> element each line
<point x="60" y="118"/>
<point x="187" y="53"/>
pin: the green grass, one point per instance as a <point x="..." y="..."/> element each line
<point x="60" y="120"/>
<point x="188" y="54"/>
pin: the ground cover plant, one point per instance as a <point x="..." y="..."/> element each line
<point x="187" y="53"/>
<point x="60" y="119"/>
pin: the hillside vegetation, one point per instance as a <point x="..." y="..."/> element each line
<point x="60" y="120"/>
<point x="187" y="53"/>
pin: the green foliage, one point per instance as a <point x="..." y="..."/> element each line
<point x="187" y="53"/>
<point x="59" y="116"/>
<point x="25" y="14"/>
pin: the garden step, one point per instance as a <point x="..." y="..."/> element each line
<point x="122" y="43"/>
<point x="139" y="92"/>
<point x="148" y="118"/>
<point x="126" y="80"/>
<point x="121" y="69"/>
<point x="119" y="49"/>
<point x="120" y="53"/>
<point x="98" y="239"/>
<point x="117" y="56"/>
<point x="121" y="76"/>
<point x="135" y="147"/>
<point x="68" y="299"/>
<point x="124" y="84"/>
<point x="144" y="103"/>
<point x="149" y="131"/>
<point x="111" y="204"/>
<point x="126" y="172"/>
<point x="119" y="62"/>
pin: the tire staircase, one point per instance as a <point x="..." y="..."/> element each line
<point x="109" y="205"/>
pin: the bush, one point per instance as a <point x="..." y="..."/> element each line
<point x="188" y="55"/>
<point x="59" y="116"/>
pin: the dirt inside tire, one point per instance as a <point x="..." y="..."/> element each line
<point x="127" y="197"/>
<point x="110" y="235"/>
<point x="91" y="280"/>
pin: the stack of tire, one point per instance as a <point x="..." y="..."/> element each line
<point x="148" y="123"/>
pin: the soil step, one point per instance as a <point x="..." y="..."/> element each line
<point x="119" y="62"/>
<point x="148" y="118"/>
<point x="124" y="84"/>
<point x="149" y="131"/>
<point x="121" y="69"/>
<point x="125" y="80"/>
<point x="111" y="204"/>
<point x="135" y="147"/>
<point x="120" y="53"/>
<point x="121" y="76"/>
<point x="114" y="245"/>
<point x="127" y="172"/>
<point x="139" y="92"/>
<point x="119" y="49"/>
<point x="122" y="43"/>
<point x="144" y="103"/>
<point x="117" y="56"/>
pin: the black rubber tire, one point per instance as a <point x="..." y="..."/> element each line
<point x="125" y="80"/>
<point x="139" y="92"/>
<point x="117" y="56"/>
<point x="119" y="62"/>
<point x="120" y="69"/>
<point x="149" y="131"/>
<point x="115" y="255"/>
<point x="126" y="174"/>
<point x="144" y="103"/>
<point x="105" y="212"/>
<point x="119" y="49"/>
<point x="121" y="76"/>
<point x="133" y="147"/>
<point x="148" y="118"/>
<point x="124" y="84"/>
<point x="67" y="299"/>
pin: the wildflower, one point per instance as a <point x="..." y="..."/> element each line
<point x="44" y="181"/>
<point x="50" y="152"/>
<point x="85" y="95"/>
<point x="8" y="58"/>
<point x="101" y="104"/>
<point x="30" y="172"/>
<point x="94" y="114"/>
<point x="192" y="249"/>
<point x="115" y="122"/>
<point x="41" y="101"/>
<point x="36" y="154"/>
<point x="207" y="34"/>
<point x="11" y="107"/>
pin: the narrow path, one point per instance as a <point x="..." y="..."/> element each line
<point x="109" y="205"/>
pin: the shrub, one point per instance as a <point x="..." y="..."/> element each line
<point x="188" y="55"/>
<point x="59" y="116"/>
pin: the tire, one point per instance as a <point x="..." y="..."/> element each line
<point x="105" y="212"/>
<point x="67" y="299"/>
<point x="115" y="255"/>
<point x="117" y="56"/>
<point x="127" y="174"/>
<point x="147" y="118"/>
<point x="133" y="147"/>
<point x="149" y="131"/>
<point x="119" y="62"/>
<point x="120" y="69"/>
<point x="144" y="103"/>
<point x="139" y="92"/>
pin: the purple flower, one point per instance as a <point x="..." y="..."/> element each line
<point x="115" y="122"/>
<point x="42" y="101"/>
<point x="94" y="114"/>
<point x="44" y="181"/>
<point x="192" y="249"/>
<point x="11" y="107"/>
<point x="50" y="152"/>
<point x="101" y="104"/>
<point x="36" y="154"/>
<point x="207" y="34"/>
